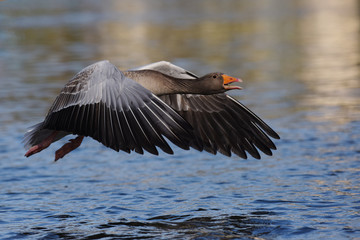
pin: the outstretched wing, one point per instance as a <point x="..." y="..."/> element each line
<point x="102" y="103"/>
<point x="168" y="69"/>
<point x="220" y="122"/>
<point x="223" y="124"/>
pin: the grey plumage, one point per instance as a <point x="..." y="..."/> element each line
<point x="103" y="103"/>
<point x="220" y="122"/>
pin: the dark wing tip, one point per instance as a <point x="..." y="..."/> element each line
<point x="222" y="124"/>
<point x="274" y="135"/>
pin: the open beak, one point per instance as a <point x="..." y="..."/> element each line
<point x="228" y="80"/>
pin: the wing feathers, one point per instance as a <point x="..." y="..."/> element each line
<point x="102" y="103"/>
<point x="255" y="118"/>
<point x="222" y="124"/>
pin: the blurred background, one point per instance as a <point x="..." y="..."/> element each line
<point x="300" y="62"/>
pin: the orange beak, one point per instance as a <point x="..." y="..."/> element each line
<point x="228" y="80"/>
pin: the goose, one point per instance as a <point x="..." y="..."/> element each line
<point x="135" y="110"/>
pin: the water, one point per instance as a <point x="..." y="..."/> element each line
<point x="300" y="62"/>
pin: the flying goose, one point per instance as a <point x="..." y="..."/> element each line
<point x="134" y="110"/>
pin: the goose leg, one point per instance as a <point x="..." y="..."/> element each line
<point x="68" y="147"/>
<point x="41" y="146"/>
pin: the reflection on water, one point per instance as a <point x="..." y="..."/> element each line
<point x="308" y="42"/>
<point x="300" y="62"/>
<point x="331" y="60"/>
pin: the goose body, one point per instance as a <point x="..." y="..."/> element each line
<point x="133" y="111"/>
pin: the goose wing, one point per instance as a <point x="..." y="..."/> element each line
<point x="102" y="103"/>
<point x="168" y="69"/>
<point x="221" y="123"/>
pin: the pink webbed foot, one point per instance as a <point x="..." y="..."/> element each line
<point x="68" y="147"/>
<point x="41" y="146"/>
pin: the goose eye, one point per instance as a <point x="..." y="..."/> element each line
<point x="214" y="76"/>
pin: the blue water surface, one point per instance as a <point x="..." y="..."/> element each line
<point x="300" y="64"/>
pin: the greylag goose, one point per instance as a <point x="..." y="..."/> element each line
<point x="133" y="111"/>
